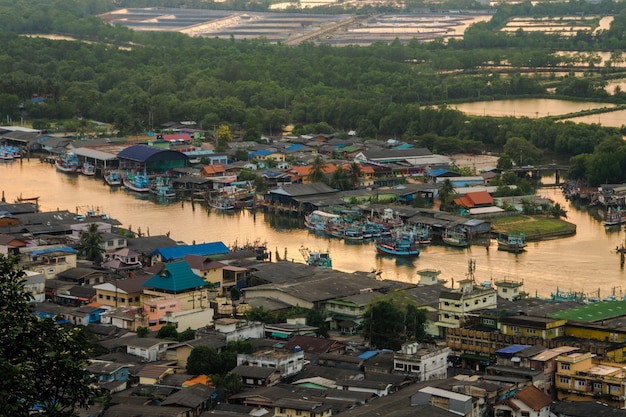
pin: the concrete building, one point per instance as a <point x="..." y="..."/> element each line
<point x="423" y="362"/>
<point x="456" y="305"/>
<point x="288" y="363"/>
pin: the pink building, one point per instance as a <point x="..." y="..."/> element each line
<point x="157" y="311"/>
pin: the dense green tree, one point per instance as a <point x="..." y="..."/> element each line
<point x="261" y="314"/>
<point x="204" y="360"/>
<point x="317" y="318"/>
<point x="187" y="334"/>
<point x="142" y="331"/>
<point x="42" y="363"/>
<point x="92" y="244"/>
<point x="522" y="151"/>
<point x="392" y="320"/>
<point x="168" y="332"/>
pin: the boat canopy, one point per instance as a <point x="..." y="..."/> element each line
<point x="325" y="214"/>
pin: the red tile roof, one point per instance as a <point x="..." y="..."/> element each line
<point x="478" y="198"/>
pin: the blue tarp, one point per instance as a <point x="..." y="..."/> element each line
<point x="367" y="355"/>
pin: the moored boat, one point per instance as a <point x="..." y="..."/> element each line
<point x="137" y="182"/>
<point x="68" y="163"/>
<point x="113" y="178"/>
<point x="399" y="244"/>
<point x="222" y="204"/>
<point x="317" y="219"/>
<point x="455" y="238"/>
<point x="614" y="216"/>
<point x="513" y="242"/>
<point x="316" y="258"/>
<point x="88" y="169"/>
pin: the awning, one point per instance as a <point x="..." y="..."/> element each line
<point x="280" y="335"/>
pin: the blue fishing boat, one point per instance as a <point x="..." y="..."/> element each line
<point x="88" y="169"/>
<point x="68" y="163"/>
<point x="137" y="182"/>
<point x="113" y="178"/>
<point x="317" y="258"/>
<point x="398" y="244"/>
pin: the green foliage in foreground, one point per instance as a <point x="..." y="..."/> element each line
<point x="41" y="362"/>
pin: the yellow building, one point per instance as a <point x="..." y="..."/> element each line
<point x="579" y="377"/>
<point x="532" y="326"/>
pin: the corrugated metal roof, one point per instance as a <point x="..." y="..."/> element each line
<point x="140" y="153"/>
<point x="175" y="276"/>
<point x="95" y="154"/>
<point x="509" y="350"/>
<point x="202" y="249"/>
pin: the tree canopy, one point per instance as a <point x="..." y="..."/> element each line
<point x="42" y="363"/>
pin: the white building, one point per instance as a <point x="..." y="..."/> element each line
<point x="288" y="363"/>
<point x="236" y="329"/>
<point x="423" y="362"/>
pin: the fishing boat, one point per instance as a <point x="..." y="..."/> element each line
<point x="88" y="169"/>
<point x="6" y="156"/>
<point x="317" y="219"/>
<point x="317" y="258"/>
<point x="423" y="235"/>
<point x="68" y="163"/>
<point x="10" y="152"/>
<point x="113" y="178"/>
<point x="513" y="242"/>
<point x="162" y="188"/>
<point x="399" y="244"/>
<point x="454" y="238"/>
<point x="614" y="216"/>
<point x="222" y="204"/>
<point x="139" y="183"/>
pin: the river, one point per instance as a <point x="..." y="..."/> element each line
<point x="584" y="262"/>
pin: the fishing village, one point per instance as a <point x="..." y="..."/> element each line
<point x="313" y="330"/>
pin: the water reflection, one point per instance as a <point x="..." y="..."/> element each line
<point x="569" y="263"/>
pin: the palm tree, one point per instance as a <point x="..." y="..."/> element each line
<point x="446" y="191"/>
<point x="354" y="174"/>
<point x="91" y="244"/>
<point x="316" y="173"/>
<point x="339" y="179"/>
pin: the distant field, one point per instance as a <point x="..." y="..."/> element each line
<point x="534" y="227"/>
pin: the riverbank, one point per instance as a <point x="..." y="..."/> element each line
<point x="534" y="228"/>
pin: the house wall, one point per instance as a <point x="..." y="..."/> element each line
<point x="287" y="363"/>
<point x="192" y="319"/>
<point x="155" y="311"/>
<point x="118" y="299"/>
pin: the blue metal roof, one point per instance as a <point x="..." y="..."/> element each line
<point x="262" y="152"/>
<point x="510" y="350"/>
<point x="295" y="147"/>
<point x="367" y="355"/>
<point x="202" y="249"/>
<point x="403" y="146"/>
<point x="63" y="249"/>
<point x="437" y="172"/>
<point x="175" y="277"/>
<point x="139" y="152"/>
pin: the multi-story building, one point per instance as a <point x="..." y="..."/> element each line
<point x="424" y="362"/>
<point x="579" y="377"/>
<point x="288" y="363"/>
<point x="458" y="304"/>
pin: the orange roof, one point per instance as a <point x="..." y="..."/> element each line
<point x="213" y="169"/>
<point x="534" y="398"/>
<point x="478" y="198"/>
<point x="198" y="379"/>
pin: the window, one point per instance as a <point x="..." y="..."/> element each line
<point x="580" y="383"/>
<point x="152" y="309"/>
<point x="120" y="242"/>
<point x="597" y="385"/>
<point x="515" y="328"/>
<point x="298" y="412"/>
<point x="565" y="366"/>
<point x="109" y="243"/>
<point x="108" y="297"/>
<point x="531" y="331"/>
<point x="504" y="290"/>
<point x="564" y="380"/>
<point x="490" y="322"/>
<point x="161" y="307"/>
<point x="614" y="388"/>
<point x="100" y="296"/>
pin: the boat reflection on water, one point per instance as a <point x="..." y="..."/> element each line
<point x="543" y="266"/>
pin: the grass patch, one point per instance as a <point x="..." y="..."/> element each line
<point x="534" y="227"/>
